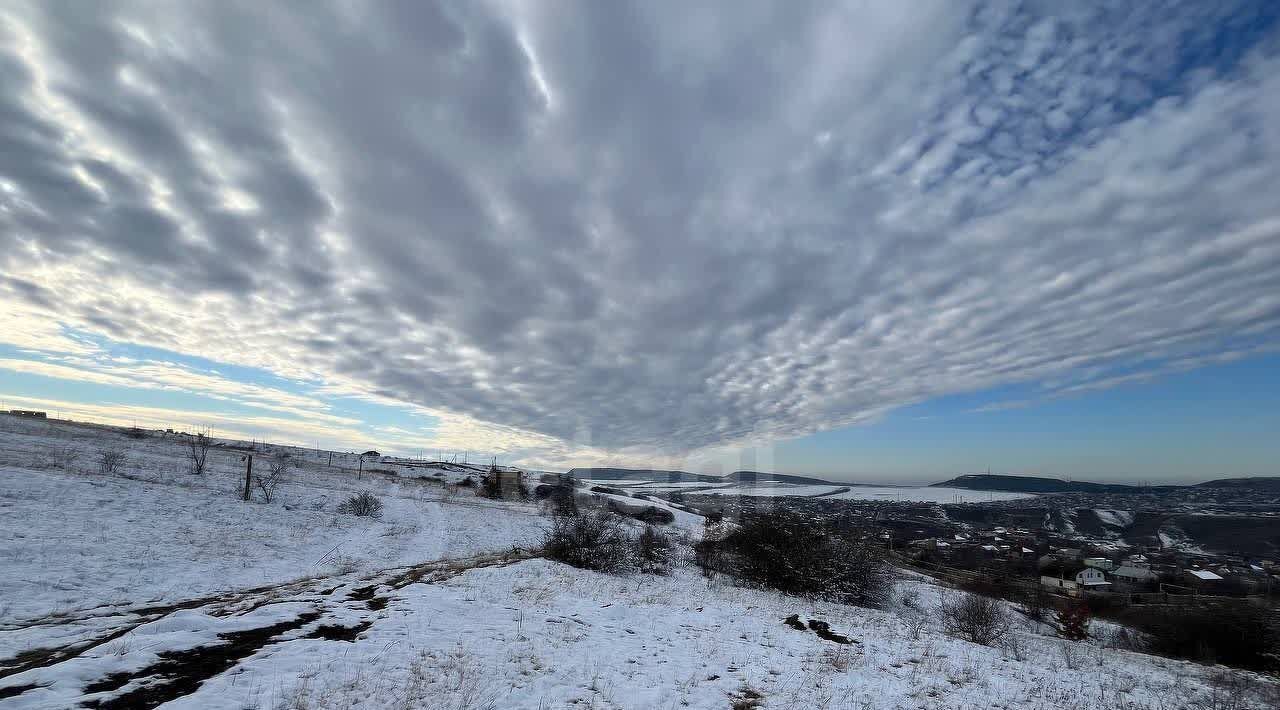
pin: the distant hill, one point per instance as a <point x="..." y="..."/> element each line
<point x="638" y="474"/>
<point x="1258" y="483"/>
<point x="1031" y="484"/>
<point x="757" y="477"/>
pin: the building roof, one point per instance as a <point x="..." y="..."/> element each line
<point x="1134" y="572"/>
<point x="1066" y="570"/>
<point x="1203" y="574"/>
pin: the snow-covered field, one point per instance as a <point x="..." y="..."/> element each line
<point x="535" y="635"/>
<point x="107" y="584"/>
<point x="73" y="539"/>
<point x="926" y="494"/>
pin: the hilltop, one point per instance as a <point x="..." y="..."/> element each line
<point x="640" y="474"/>
<point x="1030" y="484"/>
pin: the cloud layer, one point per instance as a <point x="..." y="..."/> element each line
<point x="647" y="228"/>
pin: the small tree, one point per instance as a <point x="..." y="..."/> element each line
<point x="974" y="618"/>
<point x="277" y="471"/>
<point x="1073" y="621"/>
<point x="199" y="445"/>
<point x="111" y="461"/>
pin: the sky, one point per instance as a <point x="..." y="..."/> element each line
<point x="876" y="241"/>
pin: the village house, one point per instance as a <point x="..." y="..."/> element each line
<point x="1202" y="579"/>
<point x="1073" y="576"/>
<point x="1134" y="578"/>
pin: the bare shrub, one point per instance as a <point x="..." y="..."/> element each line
<point x="793" y="554"/>
<point x="111" y="461"/>
<point x="1071" y="656"/>
<point x="1073" y="622"/>
<point x="974" y="618"/>
<point x="654" y="550"/>
<point x="916" y="622"/>
<point x="363" y="504"/>
<point x="60" y="457"/>
<point x="594" y="540"/>
<point x="1036" y="603"/>
<point x="909" y="598"/>
<point x="277" y="471"/>
<point x="198" y="445"/>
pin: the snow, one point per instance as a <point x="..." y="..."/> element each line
<point x="485" y="626"/>
<point x="1116" y="518"/>
<point x="536" y="634"/>
<point x="74" y="539"/>
<point x="1204" y="574"/>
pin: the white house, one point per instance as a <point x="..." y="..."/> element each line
<point x="1073" y="576"/>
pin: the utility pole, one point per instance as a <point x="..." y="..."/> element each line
<point x="248" y="475"/>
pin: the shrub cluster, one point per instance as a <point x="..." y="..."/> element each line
<point x="974" y="618"/>
<point x="594" y="540"/>
<point x="788" y="552"/>
<point x="363" y="504"/>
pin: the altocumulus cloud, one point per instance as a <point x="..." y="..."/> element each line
<point x="647" y="227"/>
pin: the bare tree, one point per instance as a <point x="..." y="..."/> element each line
<point x="111" y="461"/>
<point x="200" y="445"/>
<point x="277" y="471"/>
<point x="974" y="618"/>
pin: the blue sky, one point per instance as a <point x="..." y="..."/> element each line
<point x="1209" y="422"/>
<point x="892" y="241"/>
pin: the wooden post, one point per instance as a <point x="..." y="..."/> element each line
<point x="248" y="475"/>
<point x="330" y="459"/>
<point x="360" y="473"/>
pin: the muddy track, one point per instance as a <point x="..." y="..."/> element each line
<point x="181" y="672"/>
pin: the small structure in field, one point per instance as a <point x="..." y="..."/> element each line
<point x="371" y="454"/>
<point x="29" y="413"/>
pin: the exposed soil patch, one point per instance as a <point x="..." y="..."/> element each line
<point x="335" y="632"/>
<point x="180" y="673"/>
<point x="41" y="657"/>
<point x="16" y="690"/>
<point x="823" y="630"/>
<point x="378" y="603"/>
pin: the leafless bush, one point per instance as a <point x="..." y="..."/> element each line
<point x="1016" y="646"/>
<point x="654" y="549"/>
<point x="276" y="473"/>
<point x="974" y="618"/>
<point x="1072" y="658"/>
<point x="788" y="552"/>
<point x="909" y="598"/>
<point x="593" y="540"/>
<point x="111" y="461"/>
<point x="916" y="623"/>
<point x="1036" y="603"/>
<point x="60" y="457"/>
<point x="363" y="504"/>
<point x="199" y="445"/>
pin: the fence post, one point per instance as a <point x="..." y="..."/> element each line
<point x="248" y="474"/>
